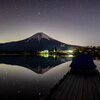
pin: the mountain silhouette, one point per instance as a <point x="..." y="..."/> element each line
<point x="38" y="41"/>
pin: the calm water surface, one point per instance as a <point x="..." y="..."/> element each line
<point x="32" y="76"/>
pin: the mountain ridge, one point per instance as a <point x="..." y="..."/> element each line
<point x="38" y="41"/>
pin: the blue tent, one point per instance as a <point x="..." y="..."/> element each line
<point x="83" y="61"/>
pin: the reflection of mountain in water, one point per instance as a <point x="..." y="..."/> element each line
<point x="35" y="63"/>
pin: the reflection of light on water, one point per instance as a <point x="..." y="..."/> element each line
<point x="44" y="55"/>
<point x="70" y="55"/>
<point x="47" y="55"/>
<point x="54" y="56"/>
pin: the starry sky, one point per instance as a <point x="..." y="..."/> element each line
<point x="70" y="21"/>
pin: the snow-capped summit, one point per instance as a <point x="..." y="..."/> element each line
<point x="39" y="36"/>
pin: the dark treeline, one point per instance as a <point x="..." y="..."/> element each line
<point x="90" y="50"/>
<point x="17" y="52"/>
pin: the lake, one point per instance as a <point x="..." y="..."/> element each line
<point x="32" y="76"/>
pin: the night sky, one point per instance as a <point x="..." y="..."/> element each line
<point x="70" y="21"/>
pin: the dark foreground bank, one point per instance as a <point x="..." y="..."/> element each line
<point x="77" y="85"/>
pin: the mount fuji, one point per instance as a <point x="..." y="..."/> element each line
<point x="38" y="41"/>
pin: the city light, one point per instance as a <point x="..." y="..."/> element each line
<point x="44" y="52"/>
<point x="70" y="51"/>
